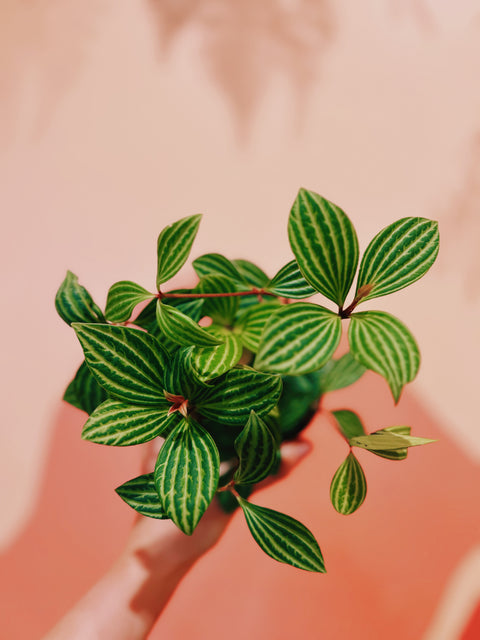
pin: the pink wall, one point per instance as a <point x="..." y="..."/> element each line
<point x="120" y="116"/>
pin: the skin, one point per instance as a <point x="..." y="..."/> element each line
<point x="126" y="602"/>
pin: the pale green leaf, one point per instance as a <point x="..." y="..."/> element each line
<point x="289" y="283"/>
<point x="74" y="304"/>
<point x="394" y="454"/>
<point x="324" y="243"/>
<point x="298" y="338"/>
<point x="251" y="273"/>
<point x="127" y="363"/>
<point x="283" y="538"/>
<point x="216" y="264"/>
<point x="349" y="486"/>
<point x="349" y="423"/>
<point x="181" y="329"/>
<point x="119" y="424"/>
<point x="174" y="245"/>
<point x="256" y="449"/>
<point x="140" y="494"/>
<point x="384" y="441"/>
<point x="122" y="299"/>
<point x="398" y="256"/>
<point x="252" y="322"/>
<point x="186" y="474"/>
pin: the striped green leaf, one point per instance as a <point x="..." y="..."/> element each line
<point x="349" y="486"/>
<point x="298" y="338"/>
<point x="256" y="448"/>
<point x="174" y="245"/>
<point x="251" y="273"/>
<point x="186" y="474"/>
<point x="383" y="344"/>
<point x="141" y="494"/>
<point x="127" y="363"/>
<point x="84" y="392"/>
<point x="398" y="256"/>
<point x="340" y="373"/>
<point x="74" y="304"/>
<point x="191" y="307"/>
<point x="387" y="441"/>
<point x="180" y="377"/>
<point x="394" y="454"/>
<point x="216" y="264"/>
<point x="237" y="393"/>
<point x="181" y="329"/>
<point x="252" y="322"/>
<point x="290" y="283"/>
<point x="122" y="299"/>
<point x="349" y="423"/>
<point x="211" y="362"/>
<point x="283" y="538"/>
<point x="118" y="424"/>
<point x="324" y="243"/>
<point x="222" y="309"/>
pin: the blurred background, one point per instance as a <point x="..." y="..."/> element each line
<point x="118" y="117"/>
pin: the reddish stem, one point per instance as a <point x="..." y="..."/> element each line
<point x="252" y="292"/>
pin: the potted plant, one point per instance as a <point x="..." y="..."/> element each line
<point x="232" y="391"/>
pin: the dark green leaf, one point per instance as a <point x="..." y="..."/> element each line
<point x="298" y="402"/>
<point x="251" y="324"/>
<point x="256" y="448"/>
<point x="298" y="338"/>
<point x="141" y="494"/>
<point x="122" y="299"/>
<point x="290" y="283"/>
<point x="181" y="329"/>
<point x="251" y="273"/>
<point x="128" y="363"/>
<point x="398" y="256"/>
<point x="222" y="309"/>
<point x="216" y="264"/>
<point x="74" y="304"/>
<point x="186" y="474"/>
<point x="349" y="487"/>
<point x="349" y="423"/>
<point x="324" y="243"/>
<point x="174" y="245"/>
<point x="283" y="538"/>
<point x="383" y="344"/>
<point x="119" y="424"/>
<point x="180" y="377"/>
<point x="84" y="392"/>
<point x="340" y="373"/>
<point x="237" y="393"/>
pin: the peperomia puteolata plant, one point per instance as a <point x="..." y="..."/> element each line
<point x="234" y="390"/>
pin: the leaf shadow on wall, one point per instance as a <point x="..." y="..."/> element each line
<point x="44" y="44"/>
<point x="247" y="45"/>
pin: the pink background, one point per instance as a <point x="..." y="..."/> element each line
<point x="119" y="117"/>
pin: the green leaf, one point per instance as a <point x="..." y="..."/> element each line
<point x="383" y="344"/>
<point x="128" y="363"/>
<point x="174" y="245"/>
<point x="283" y="538"/>
<point x="340" y="373"/>
<point x="394" y="454"/>
<point x="180" y="377"/>
<point x="191" y="307"/>
<point x="349" y="423"/>
<point x="181" y="329"/>
<point x="211" y="362"/>
<point x="119" y="424"/>
<point x="384" y="441"/>
<point x="141" y="494"/>
<point x="298" y="402"/>
<point x="398" y="256"/>
<point x="298" y="338"/>
<point x="237" y="393"/>
<point x="324" y="243"/>
<point x="251" y="273"/>
<point x="74" y="304"/>
<point x="84" y="392"/>
<point x="216" y="264"/>
<point x="222" y="309"/>
<point x="186" y="474"/>
<point x="289" y="283"/>
<point x="122" y="299"/>
<point x="256" y="448"/>
<point x="349" y="486"/>
<point x="251" y="324"/>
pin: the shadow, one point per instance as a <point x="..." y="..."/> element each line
<point x="246" y="45"/>
<point x="44" y="45"/>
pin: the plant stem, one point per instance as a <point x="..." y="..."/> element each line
<point x="251" y="292"/>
